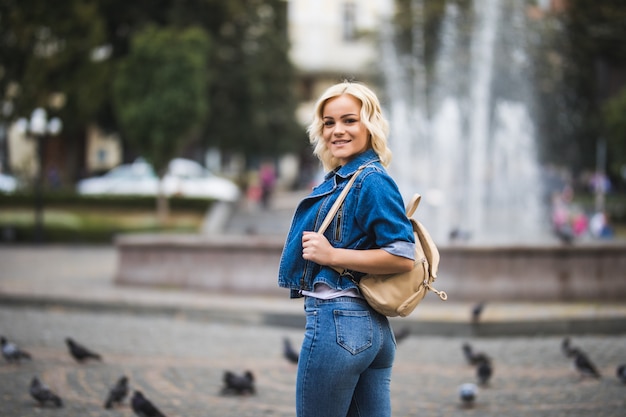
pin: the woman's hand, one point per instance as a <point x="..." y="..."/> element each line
<point x="316" y="248"/>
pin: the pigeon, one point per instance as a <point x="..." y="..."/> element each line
<point x="621" y="373"/>
<point x="458" y="234"/>
<point x="42" y="394"/>
<point x="238" y="384"/>
<point x="584" y="366"/>
<point x="484" y="371"/>
<point x="402" y="334"/>
<point x="565" y="234"/>
<point x="289" y="352"/>
<point x="473" y="358"/>
<point x="477" y="311"/>
<point x="468" y="393"/>
<point x="117" y="393"/>
<point x="79" y="352"/>
<point x="11" y="352"/>
<point x="142" y="407"/>
<point x="567" y="348"/>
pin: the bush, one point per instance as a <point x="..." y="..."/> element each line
<point x="70" y="218"/>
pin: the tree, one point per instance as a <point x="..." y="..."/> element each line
<point x="160" y="93"/>
<point x="614" y="112"/>
<point x="256" y="83"/>
<point x="581" y="54"/>
<point x="46" y="60"/>
<point x="42" y="55"/>
<point x="85" y="40"/>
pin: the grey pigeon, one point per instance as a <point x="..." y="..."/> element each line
<point x="142" y="406"/>
<point x="567" y="348"/>
<point x="289" y="352"/>
<point x="565" y="234"/>
<point x="468" y="393"/>
<point x="584" y="366"/>
<point x="11" y="352"/>
<point x="458" y="234"/>
<point x="402" y="334"/>
<point x="477" y="310"/>
<point x="621" y="373"/>
<point x="472" y="357"/>
<point x="238" y="384"/>
<point x="42" y="393"/>
<point x="80" y="352"/>
<point x="484" y="371"/>
<point x="117" y="393"/>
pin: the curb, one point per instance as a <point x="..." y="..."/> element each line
<point x="275" y="318"/>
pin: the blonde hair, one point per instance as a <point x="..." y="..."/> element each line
<point x="371" y="116"/>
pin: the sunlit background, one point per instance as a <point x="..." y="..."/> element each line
<point x="507" y="116"/>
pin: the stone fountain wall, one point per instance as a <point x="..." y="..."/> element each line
<point x="249" y="265"/>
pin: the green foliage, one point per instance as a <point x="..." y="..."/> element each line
<point x="247" y="102"/>
<point x="94" y="219"/>
<point x="256" y="111"/>
<point x="160" y="91"/>
<point x="597" y="29"/>
<point x="79" y="202"/>
<point x="45" y="48"/>
<point x="579" y="55"/>
<point x="614" y="112"/>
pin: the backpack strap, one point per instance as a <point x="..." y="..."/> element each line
<point x="413" y="203"/>
<point x="421" y="232"/>
<point x="333" y="210"/>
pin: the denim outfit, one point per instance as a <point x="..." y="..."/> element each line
<point x="348" y="349"/>
<point x="371" y="216"/>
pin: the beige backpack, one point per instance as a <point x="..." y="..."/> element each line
<point x="399" y="294"/>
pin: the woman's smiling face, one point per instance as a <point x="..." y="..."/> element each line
<point x="345" y="135"/>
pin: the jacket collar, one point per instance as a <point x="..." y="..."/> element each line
<point x="350" y="168"/>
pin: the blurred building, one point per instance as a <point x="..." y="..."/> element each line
<point x="102" y="151"/>
<point x="333" y="40"/>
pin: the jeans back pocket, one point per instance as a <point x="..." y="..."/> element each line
<point x="354" y="330"/>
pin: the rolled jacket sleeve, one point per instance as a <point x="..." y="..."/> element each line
<point x="400" y="248"/>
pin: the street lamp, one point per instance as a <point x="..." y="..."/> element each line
<point x="39" y="126"/>
<point x="5" y="111"/>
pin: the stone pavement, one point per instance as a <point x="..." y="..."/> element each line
<point x="178" y="364"/>
<point x="175" y="345"/>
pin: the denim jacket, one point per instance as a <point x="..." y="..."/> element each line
<point x="372" y="216"/>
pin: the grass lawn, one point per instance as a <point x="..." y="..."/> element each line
<point x="93" y="224"/>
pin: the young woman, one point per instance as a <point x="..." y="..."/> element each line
<point x="348" y="349"/>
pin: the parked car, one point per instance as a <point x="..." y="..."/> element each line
<point x="8" y="183"/>
<point x="184" y="177"/>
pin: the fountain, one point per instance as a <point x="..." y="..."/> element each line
<point x="465" y="139"/>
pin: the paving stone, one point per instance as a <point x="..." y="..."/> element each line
<point x="179" y="364"/>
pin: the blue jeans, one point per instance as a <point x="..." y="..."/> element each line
<point x="346" y="360"/>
